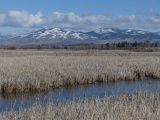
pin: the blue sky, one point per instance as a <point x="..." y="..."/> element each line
<point x="79" y="14"/>
<point x="118" y="7"/>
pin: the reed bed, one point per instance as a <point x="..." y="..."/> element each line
<point x="18" y="53"/>
<point x="138" y="106"/>
<point x="42" y="72"/>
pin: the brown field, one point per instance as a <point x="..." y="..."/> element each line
<point x="23" y="71"/>
<point x="139" y="106"/>
<point x="30" y="71"/>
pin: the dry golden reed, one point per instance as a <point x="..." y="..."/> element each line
<point x="35" y="71"/>
<point x="138" y="106"/>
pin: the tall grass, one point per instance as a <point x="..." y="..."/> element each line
<point x="139" y="106"/>
<point x="42" y="71"/>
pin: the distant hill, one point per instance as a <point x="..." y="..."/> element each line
<point x="5" y="36"/>
<point x="59" y="36"/>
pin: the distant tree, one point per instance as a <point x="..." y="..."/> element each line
<point x="135" y="44"/>
<point x="11" y="48"/>
<point x="107" y="44"/>
<point x="65" y="47"/>
<point x="39" y="47"/>
<point x="124" y="44"/>
<point x="156" y="44"/>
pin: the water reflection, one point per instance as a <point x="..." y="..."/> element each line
<point x="80" y="92"/>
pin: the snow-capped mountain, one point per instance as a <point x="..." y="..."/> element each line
<point x="53" y="36"/>
<point x="59" y="36"/>
<point x="112" y="33"/>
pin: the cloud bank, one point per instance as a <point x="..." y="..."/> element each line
<point x="149" y="19"/>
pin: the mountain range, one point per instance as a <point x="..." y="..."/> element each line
<point x="59" y="36"/>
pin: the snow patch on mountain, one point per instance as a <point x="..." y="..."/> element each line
<point x="77" y="36"/>
<point x="103" y="30"/>
<point x="141" y="32"/>
<point x="128" y="31"/>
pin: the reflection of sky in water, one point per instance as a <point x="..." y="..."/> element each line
<point x="80" y="92"/>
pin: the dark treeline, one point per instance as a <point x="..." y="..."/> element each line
<point x="118" y="46"/>
<point x="133" y="45"/>
<point x="108" y="46"/>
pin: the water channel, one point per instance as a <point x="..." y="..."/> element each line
<point x="80" y="92"/>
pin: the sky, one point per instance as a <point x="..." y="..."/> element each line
<point x="20" y="16"/>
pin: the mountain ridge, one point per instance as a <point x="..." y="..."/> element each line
<point x="59" y="36"/>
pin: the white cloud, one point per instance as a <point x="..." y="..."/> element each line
<point x="149" y="12"/>
<point x="20" y="19"/>
<point x="73" y="21"/>
<point x="13" y="32"/>
<point x="2" y="17"/>
<point x="151" y="19"/>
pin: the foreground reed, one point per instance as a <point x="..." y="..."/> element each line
<point x="139" y="106"/>
<point x="36" y="73"/>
